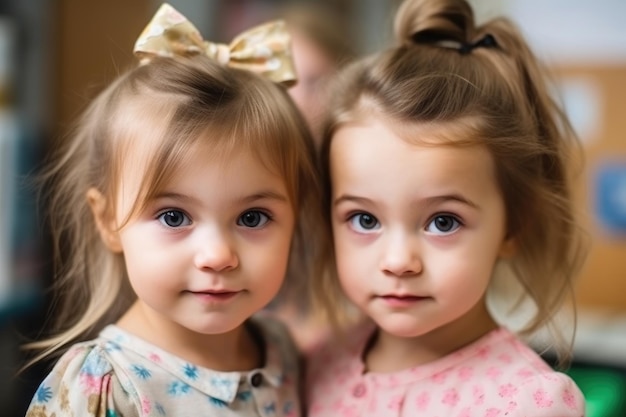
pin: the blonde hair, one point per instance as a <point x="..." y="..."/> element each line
<point x="494" y="95"/>
<point x="179" y="104"/>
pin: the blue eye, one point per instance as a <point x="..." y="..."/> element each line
<point x="174" y="218"/>
<point x="363" y="222"/>
<point x="443" y="225"/>
<point x="253" y="219"/>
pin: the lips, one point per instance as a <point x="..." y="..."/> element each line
<point x="215" y="295"/>
<point x="402" y="297"/>
<point x="401" y="300"/>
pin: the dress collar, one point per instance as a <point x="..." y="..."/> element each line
<point x="220" y="385"/>
<point x="435" y="369"/>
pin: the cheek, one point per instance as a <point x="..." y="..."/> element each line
<point x="277" y="258"/>
<point x="463" y="276"/>
<point x="352" y="269"/>
<point x="350" y="260"/>
<point x="144" y="258"/>
<point x="271" y="257"/>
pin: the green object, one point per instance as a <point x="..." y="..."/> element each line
<point x="604" y="390"/>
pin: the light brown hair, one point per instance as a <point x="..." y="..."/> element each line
<point x="495" y="95"/>
<point x="179" y="104"/>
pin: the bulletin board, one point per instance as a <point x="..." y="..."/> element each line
<point x="599" y="108"/>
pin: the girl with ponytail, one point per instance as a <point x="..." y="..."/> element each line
<point x="446" y="166"/>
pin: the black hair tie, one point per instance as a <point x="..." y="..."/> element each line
<point x="487" y="41"/>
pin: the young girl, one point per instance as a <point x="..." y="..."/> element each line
<point x="446" y="163"/>
<point x="173" y="209"/>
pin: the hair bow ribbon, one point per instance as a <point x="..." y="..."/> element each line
<point x="264" y="49"/>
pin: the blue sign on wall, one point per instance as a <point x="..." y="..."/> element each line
<point x="610" y="196"/>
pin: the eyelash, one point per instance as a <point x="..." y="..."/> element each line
<point x="353" y="216"/>
<point x="454" y="218"/>
<point x="269" y="217"/>
<point x="160" y="217"/>
<point x="457" y="222"/>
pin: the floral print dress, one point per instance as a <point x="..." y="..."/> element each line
<point x="496" y="376"/>
<point x="118" y="374"/>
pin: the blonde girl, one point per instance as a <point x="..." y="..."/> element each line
<point x="174" y="207"/>
<point x="447" y="171"/>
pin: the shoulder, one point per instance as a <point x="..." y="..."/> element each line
<point x="514" y="376"/>
<point x="83" y="363"/>
<point x="551" y="394"/>
<point x="82" y="382"/>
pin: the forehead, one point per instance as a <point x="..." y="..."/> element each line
<point x="198" y="170"/>
<point x="154" y="139"/>
<point x="370" y="155"/>
<point x="149" y="162"/>
<point x="203" y="169"/>
<point x="151" y="131"/>
<point x="168" y="154"/>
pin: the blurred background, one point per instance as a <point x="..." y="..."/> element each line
<point x="56" y="55"/>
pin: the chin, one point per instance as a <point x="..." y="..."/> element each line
<point x="399" y="327"/>
<point x="215" y="327"/>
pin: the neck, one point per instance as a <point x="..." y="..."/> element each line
<point x="236" y="350"/>
<point x="391" y="353"/>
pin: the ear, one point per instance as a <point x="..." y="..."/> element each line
<point x="508" y="248"/>
<point x="104" y="221"/>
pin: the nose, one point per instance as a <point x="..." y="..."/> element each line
<point x="216" y="252"/>
<point x="401" y="255"/>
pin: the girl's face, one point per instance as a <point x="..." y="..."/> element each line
<point x="417" y="229"/>
<point x="212" y="248"/>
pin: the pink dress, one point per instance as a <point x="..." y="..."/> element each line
<point x="498" y="375"/>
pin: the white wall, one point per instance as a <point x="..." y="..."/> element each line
<point x="567" y="31"/>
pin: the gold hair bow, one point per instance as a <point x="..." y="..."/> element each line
<point x="264" y="49"/>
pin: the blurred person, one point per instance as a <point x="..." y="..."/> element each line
<point x="320" y="47"/>
<point x="174" y="209"/>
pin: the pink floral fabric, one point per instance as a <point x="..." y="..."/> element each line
<point x="496" y="376"/>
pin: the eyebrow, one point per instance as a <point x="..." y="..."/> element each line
<point x="266" y="195"/>
<point x="430" y="200"/>
<point x="263" y="195"/>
